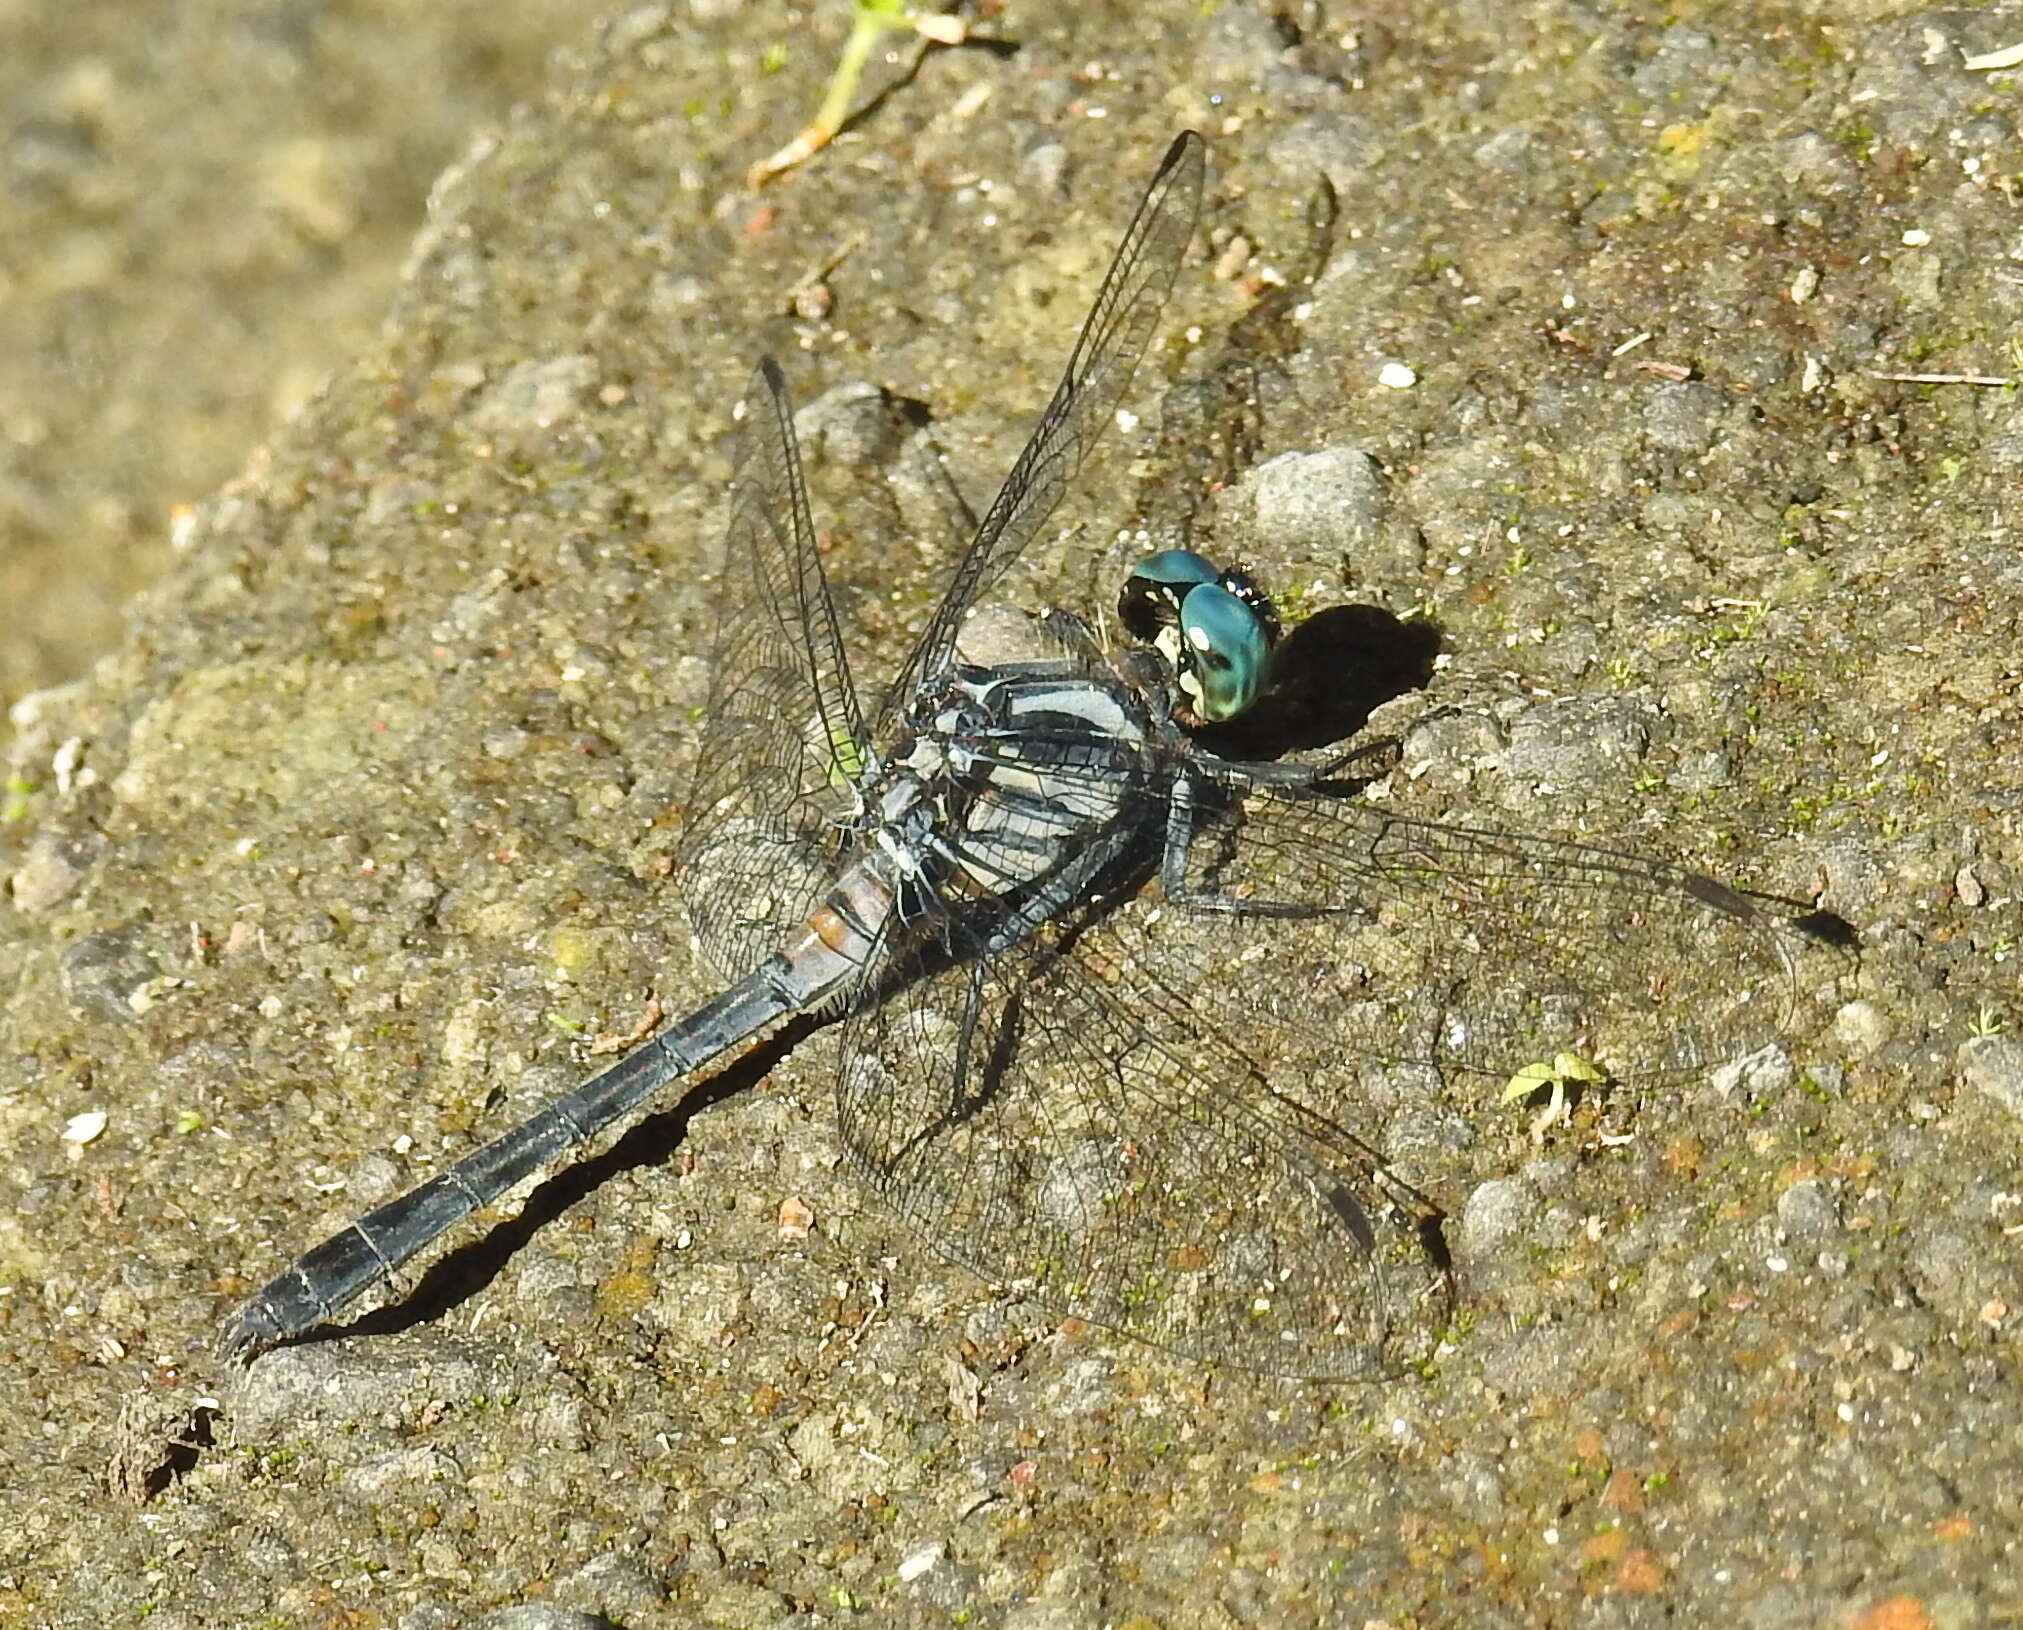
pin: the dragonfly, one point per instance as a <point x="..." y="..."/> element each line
<point x="1107" y="1003"/>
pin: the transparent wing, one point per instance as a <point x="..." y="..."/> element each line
<point x="1147" y="1115"/>
<point x="1053" y="1125"/>
<point x="784" y="731"/>
<point x="1463" y="948"/>
<point x="1113" y="337"/>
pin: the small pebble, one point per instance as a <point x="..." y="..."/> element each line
<point x="1330" y="499"/>
<point x="1497" y="1211"/>
<point x="1993" y="1067"/>
<point x="541" y="1616"/>
<point x="1861" y="1027"/>
<point x="1968" y="887"/>
<point x="1807" y="1212"/>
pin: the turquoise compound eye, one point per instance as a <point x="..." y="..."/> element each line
<point x="1176" y="566"/>
<point x="1215" y="628"/>
<point x="1223" y="652"/>
<point x="1150" y="603"/>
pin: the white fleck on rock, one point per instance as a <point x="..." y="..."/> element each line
<point x="922" y="1557"/>
<point x="82" y="1129"/>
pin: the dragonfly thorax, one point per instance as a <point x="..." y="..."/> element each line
<point x="1004" y="773"/>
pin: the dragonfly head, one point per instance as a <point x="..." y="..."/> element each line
<point x="1215" y="628"/>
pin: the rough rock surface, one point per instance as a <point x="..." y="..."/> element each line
<point x="331" y="867"/>
<point x="203" y="208"/>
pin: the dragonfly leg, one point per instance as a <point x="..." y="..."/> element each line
<point x="1190" y="825"/>
<point x="1062" y="890"/>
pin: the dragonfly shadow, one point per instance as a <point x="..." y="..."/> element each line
<point x="467" y="1270"/>
<point x="1327" y="677"/>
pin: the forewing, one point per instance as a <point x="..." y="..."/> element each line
<point x="1056" y="1128"/>
<point x="784" y="731"/>
<point x="1463" y="948"/>
<point x="1113" y="337"/>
